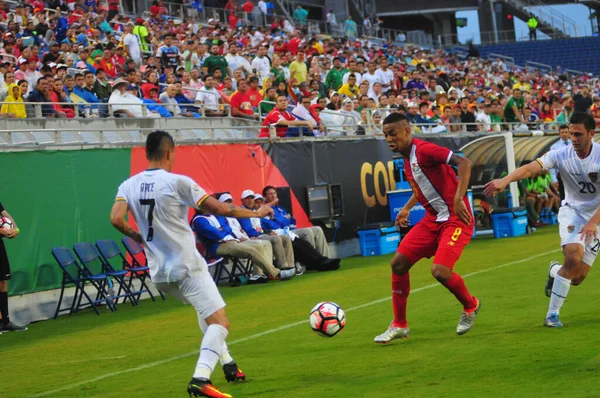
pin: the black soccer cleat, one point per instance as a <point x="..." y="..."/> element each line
<point x="204" y="388"/>
<point x="11" y="327"/>
<point x="233" y="374"/>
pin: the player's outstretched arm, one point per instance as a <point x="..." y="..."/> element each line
<point x="213" y="206"/>
<point x="464" y="176"/>
<point x="117" y="219"/>
<point x="496" y="186"/>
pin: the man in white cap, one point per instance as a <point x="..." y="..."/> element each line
<point x="282" y="244"/>
<point x="222" y="240"/>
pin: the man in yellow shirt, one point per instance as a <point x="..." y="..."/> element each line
<point x="350" y="89"/>
<point x="298" y="68"/>
<point x="522" y="84"/>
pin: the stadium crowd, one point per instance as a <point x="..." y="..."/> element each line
<point x="82" y="58"/>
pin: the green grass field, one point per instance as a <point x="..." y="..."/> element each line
<point x="151" y="351"/>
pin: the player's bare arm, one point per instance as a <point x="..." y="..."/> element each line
<point x="213" y="206"/>
<point x="496" y="186"/>
<point x="402" y="217"/>
<point x="117" y="219"/>
<point x="589" y="231"/>
<point x="464" y="176"/>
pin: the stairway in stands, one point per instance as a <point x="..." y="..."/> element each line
<point x="550" y="21"/>
<point x="578" y="53"/>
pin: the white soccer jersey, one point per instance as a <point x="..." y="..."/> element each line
<point x="581" y="177"/>
<point x="159" y="202"/>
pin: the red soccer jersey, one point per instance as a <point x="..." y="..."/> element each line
<point x="432" y="179"/>
<point x="242" y="102"/>
<point x="272" y="118"/>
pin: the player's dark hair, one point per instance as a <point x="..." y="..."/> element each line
<point x="157" y="144"/>
<point x="585" y="119"/>
<point x="266" y="189"/>
<point x="394" y="118"/>
<point x="563" y="126"/>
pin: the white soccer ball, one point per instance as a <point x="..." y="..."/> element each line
<point x="327" y="319"/>
<point x="5" y="223"/>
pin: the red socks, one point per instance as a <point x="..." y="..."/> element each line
<point x="400" y="291"/>
<point x="456" y="285"/>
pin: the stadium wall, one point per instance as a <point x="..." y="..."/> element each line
<point x="59" y="198"/>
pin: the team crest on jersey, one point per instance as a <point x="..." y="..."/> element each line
<point x="593" y="177"/>
<point x="415" y="167"/>
<point x="571" y="228"/>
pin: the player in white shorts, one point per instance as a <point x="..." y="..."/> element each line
<point x="159" y="202"/>
<point x="579" y="216"/>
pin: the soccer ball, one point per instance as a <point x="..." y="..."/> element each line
<point x="5" y="223"/>
<point x="327" y="319"/>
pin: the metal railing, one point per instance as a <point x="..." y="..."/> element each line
<point x="76" y="138"/>
<point x="81" y="137"/>
<point x="539" y="66"/>
<point x="102" y="109"/>
<point x="547" y="14"/>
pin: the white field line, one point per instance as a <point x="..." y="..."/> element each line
<point x="85" y="360"/>
<point x="275" y="330"/>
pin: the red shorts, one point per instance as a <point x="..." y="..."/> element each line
<point x="445" y="241"/>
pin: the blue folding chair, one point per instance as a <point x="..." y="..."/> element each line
<point x="237" y="265"/>
<point x="113" y="259"/>
<point x="133" y="249"/>
<point x="90" y="260"/>
<point x="75" y="275"/>
<point x="216" y="266"/>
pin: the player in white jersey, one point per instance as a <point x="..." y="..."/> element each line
<point x="579" y="216"/>
<point x="159" y="201"/>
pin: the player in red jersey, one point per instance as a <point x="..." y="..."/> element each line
<point x="444" y="231"/>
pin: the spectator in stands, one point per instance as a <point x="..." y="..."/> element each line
<point x="254" y="92"/>
<point x="240" y="102"/>
<point x="298" y="69"/>
<point x="583" y="100"/>
<point x="9" y="79"/>
<point x="210" y="98"/>
<point x="513" y="109"/>
<point x="40" y="94"/>
<point x="332" y="21"/>
<point x="101" y="87"/>
<point x="335" y="76"/>
<point x="350" y="89"/>
<point x="350" y="28"/>
<point x="216" y="61"/>
<point x="13" y="106"/>
<point x="261" y="65"/>
<point x="283" y="120"/>
<point x="304" y="111"/>
<point x="300" y="15"/>
<point x="220" y="240"/>
<point x="125" y="104"/>
<point x="133" y="44"/>
<point x="268" y="104"/>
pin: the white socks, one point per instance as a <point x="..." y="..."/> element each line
<point x="225" y="356"/>
<point x="560" y="289"/>
<point x="210" y="351"/>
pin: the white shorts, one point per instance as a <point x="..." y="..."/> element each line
<point x="198" y="289"/>
<point x="570" y="223"/>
